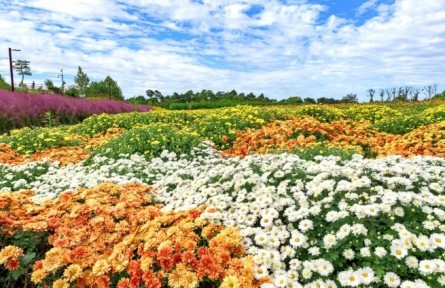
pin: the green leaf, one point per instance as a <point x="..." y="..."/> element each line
<point x="17" y="273"/>
<point x="27" y="258"/>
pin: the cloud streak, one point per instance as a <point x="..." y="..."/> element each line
<point x="273" y="47"/>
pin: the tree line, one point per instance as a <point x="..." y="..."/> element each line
<point x="108" y="88"/>
<point x="83" y="87"/>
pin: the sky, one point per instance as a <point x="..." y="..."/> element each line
<point x="282" y="48"/>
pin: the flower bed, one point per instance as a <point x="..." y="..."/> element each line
<point x="145" y="199"/>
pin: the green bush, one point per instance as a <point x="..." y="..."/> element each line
<point x="150" y="140"/>
<point x="402" y="125"/>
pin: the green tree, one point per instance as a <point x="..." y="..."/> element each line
<point x="309" y="100"/>
<point x="50" y="86"/>
<point x="350" y="98"/>
<point x="107" y="88"/>
<point x="23" y="68"/>
<point x="82" y="82"/>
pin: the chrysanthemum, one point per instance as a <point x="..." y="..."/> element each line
<point x="398" y="250"/>
<point x="391" y="279"/>
<point x="10" y="252"/>
<point x="230" y="282"/>
<point x="72" y="272"/>
<point x="412" y="262"/>
<point x="61" y="283"/>
<point x="348" y="254"/>
<point x="367" y="275"/>
<point x="297" y="239"/>
<point x="101" y="267"/>
<point x="329" y="241"/>
<point x="427" y="267"/>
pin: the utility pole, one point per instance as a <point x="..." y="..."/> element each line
<point x="10" y="67"/>
<point x="61" y="76"/>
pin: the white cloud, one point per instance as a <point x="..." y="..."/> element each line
<point x="285" y="49"/>
<point x="368" y="5"/>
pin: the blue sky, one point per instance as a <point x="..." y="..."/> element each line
<point x="282" y="48"/>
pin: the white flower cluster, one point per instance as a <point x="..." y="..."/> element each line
<point x="304" y="222"/>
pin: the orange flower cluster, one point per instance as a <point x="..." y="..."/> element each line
<point x="114" y="234"/>
<point x="9" y="155"/>
<point x="63" y="155"/>
<point x="426" y="140"/>
<point x="360" y="136"/>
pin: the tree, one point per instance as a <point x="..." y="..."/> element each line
<point x="107" y="88"/>
<point x="50" y="86"/>
<point x="82" y="82"/>
<point x="350" y="98"/>
<point x="430" y="90"/>
<point x="371" y="93"/>
<point x="309" y="100"/>
<point x="22" y="66"/>
<point x="382" y="94"/>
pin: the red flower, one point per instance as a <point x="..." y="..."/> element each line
<point x="177" y="258"/>
<point x="12" y="264"/>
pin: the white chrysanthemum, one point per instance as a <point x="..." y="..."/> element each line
<point x="329" y="241"/>
<point x="440" y="265"/>
<point x="391" y="279"/>
<point x="398" y="211"/>
<point x="367" y="275"/>
<point x="408" y="284"/>
<point x="305" y="225"/>
<point x="344" y="231"/>
<point x="292" y="275"/>
<point x="330" y="284"/>
<point x="348" y="254"/>
<point x="324" y="267"/>
<point x="261" y="238"/>
<point x="306" y="273"/>
<point x="260" y="272"/>
<point x="295" y="264"/>
<point x="281" y="281"/>
<point x="314" y="251"/>
<point x="266" y="221"/>
<point x="441" y="280"/>
<point x="427" y="267"/>
<point x="423" y="243"/>
<point x="398" y="250"/>
<point x="412" y="262"/>
<point x="349" y="278"/>
<point x="437" y="240"/>
<point x="297" y="239"/>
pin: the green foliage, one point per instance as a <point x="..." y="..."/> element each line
<point x="435" y="114"/>
<point x="28" y="141"/>
<point x="82" y="82"/>
<point x="371" y="112"/>
<point x="50" y="86"/>
<point x="150" y="140"/>
<point x="34" y="245"/>
<point x="105" y="88"/>
<point x="3" y="84"/>
<point x="321" y="113"/>
<point x="402" y="125"/>
<point x="23" y="68"/>
<point x="213" y="105"/>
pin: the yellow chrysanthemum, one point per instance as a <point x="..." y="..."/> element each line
<point x="230" y="282"/>
<point x="101" y="267"/>
<point x="61" y="283"/>
<point x="72" y="272"/>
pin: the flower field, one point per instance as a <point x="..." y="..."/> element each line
<point x="291" y="196"/>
